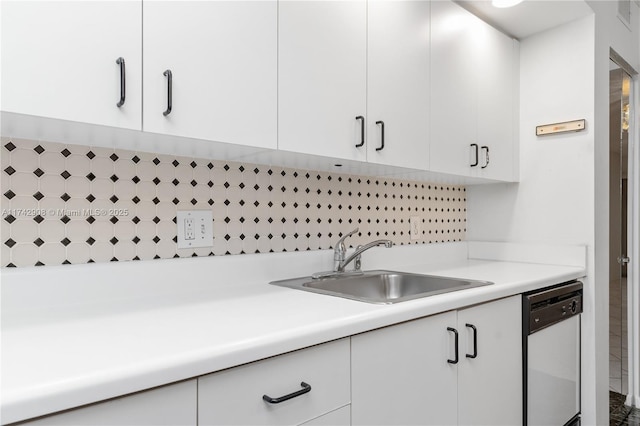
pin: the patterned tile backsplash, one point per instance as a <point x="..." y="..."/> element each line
<point x="69" y="204"/>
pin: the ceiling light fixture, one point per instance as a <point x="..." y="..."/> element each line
<point x="505" y="3"/>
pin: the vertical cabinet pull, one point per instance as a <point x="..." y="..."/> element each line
<point x="486" y="156"/>
<point x="305" y="389"/>
<point x="120" y="61"/>
<point x="361" y="118"/>
<point x="169" y="76"/>
<point x="381" y="124"/>
<point x="455" y="334"/>
<point x="475" y="340"/>
<point x="475" y="146"/>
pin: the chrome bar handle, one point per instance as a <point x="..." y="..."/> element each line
<point x="169" y="76"/>
<point x="120" y="61"/>
<point x="361" y="119"/>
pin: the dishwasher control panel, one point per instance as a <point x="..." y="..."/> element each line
<point x="549" y="306"/>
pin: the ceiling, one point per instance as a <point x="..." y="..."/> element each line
<point x="528" y="17"/>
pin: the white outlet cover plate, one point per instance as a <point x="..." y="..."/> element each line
<point x="203" y="226"/>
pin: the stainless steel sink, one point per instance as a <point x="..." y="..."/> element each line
<point x="382" y="287"/>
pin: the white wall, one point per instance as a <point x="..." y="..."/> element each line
<point x="554" y="202"/>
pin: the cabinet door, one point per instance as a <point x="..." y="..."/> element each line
<point x="173" y="405"/>
<point x="223" y="61"/>
<point x="59" y="60"/>
<point x="400" y="374"/>
<point x="322" y="77"/>
<point x="490" y="385"/>
<point x="497" y="112"/>
<point x="398" y="83"/>
<point x="453" y="88"/>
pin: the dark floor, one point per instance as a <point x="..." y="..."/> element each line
<point x="620" y="414"/>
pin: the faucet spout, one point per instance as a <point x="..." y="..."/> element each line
<point x="360" y="250"/>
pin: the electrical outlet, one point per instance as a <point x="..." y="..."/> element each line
<point x="415" y="227"/>
<point x="195" y="228"/>
<point x="189" y="231"/>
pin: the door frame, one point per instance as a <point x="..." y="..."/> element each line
<point x="633" y="234"/>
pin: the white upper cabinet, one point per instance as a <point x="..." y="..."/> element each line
<point x="473" y="102"/>
<point x="210" y="70"/>
<point x="59" y="60"/>
<point x="453" y="87"/>
<point x="322" y="77"/>
<point x="352" y="72"/>
<point x="498" y="112"/>
<point x="423" y="85"/>
<point x="398" y="83"/>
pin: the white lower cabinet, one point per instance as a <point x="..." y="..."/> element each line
<point x="459" y="367"/>
<point x="490" y="385"/>
<point x="430" y="372"/>
<point x="172" y="405"/>
<point x="400" y="374"/>
<point x="316" y="378"/>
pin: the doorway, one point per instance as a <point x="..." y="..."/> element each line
<point x="619" y="117"/>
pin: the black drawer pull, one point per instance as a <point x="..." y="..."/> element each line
<point x="306" y="388"/>
<point x="455" y="333"/>
<point x="475" y="147"/>
<point x="120" y="61"/>
<point x="475" y="340"/>
<point x="381" y="124"/>
<point x="361" y="119"/>
<point x="169" y="76"/>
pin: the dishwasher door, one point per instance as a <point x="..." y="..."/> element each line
<point x="553" y="374"/>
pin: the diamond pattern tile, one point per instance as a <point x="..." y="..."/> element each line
<point x="91" y="204"/>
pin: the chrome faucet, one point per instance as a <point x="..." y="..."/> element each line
<point x="359" y="250"/>
<point x="340" y="251"/>
<point x="340" y="259"/>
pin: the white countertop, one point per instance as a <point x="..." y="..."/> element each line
<point x="84" y="350"/>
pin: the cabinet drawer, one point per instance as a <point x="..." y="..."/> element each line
<point x="235" y="396"/>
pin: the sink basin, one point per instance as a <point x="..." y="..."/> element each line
<point x="382" y="287"/>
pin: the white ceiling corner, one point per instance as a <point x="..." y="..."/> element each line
<point x="530" y="16"/>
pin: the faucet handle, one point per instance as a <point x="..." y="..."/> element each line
<point x="340" y="250"/>
<point x="345" y="236"/>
